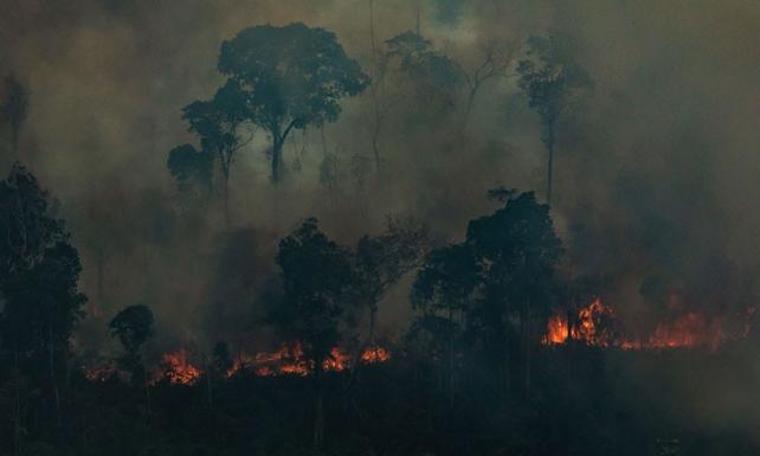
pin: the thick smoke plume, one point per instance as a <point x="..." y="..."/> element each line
<point x="655" y="182"/>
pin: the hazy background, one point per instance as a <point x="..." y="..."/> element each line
<point x="656" y="171"/>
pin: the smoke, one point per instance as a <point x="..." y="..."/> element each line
<point x="655" y="171"/>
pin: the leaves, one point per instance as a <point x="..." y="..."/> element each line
<point x="315" y="274"/>
<point x="133" y="326"/>
<point x="290" y="75"/>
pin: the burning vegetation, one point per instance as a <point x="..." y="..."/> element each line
<point x="177" y="368"/>
<point x="497" y="347"/>
<point x="596" y="325"/>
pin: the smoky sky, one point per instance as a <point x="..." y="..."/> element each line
<point x="656" y="169"/>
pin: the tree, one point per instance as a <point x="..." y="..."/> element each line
<point x="553" y="83"/>
<point x="493" y="64"/>
<point x="315" y="274"/>
<point x="433" y="72"/>
<point x="289" y="78"/>
<point x="191" y="168"/>
<point x="39" y="273"/>
<point x="380" y="261"/>
<point x="216" y="122"/>
<point x="133" y="326"/>
<point x="518" y="251"/>
<point x="446" y="283"/>
<point x="15" y="107"/>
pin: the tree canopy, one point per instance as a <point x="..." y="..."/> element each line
<point x="315" y="274"/>
<point x="40" y="270"/>
<point x="553" y="82"/>
<point x="289" y="77"/>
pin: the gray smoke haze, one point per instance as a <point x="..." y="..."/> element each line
<point x="656" y="171"/>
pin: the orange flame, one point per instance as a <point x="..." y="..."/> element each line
<point x="178" y="370"/>
<point x="374" y="355"/>
<point x="289" y="359"/>
<point x="556" y="331"/>
<point x="687" y="331"/>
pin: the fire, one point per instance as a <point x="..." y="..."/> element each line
<point x="556" y="331"/>
<point x="337" y="361"/>
<point x="594" y="325"/>
<point x="178" y="370"/>
<point x="593" y="322"/>
<point x="288" y="360"/>
<point x="374" y="355"/>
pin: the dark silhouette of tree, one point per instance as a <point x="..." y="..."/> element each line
<point x="15" y="108"/>
<point x="193" y="169"/>
<point x="446" y="284"/>
<point x="553" y="82"/>
<point x="289" y="78"/>
<point x="378" y="113"/>
<point x="133" y="326"/>
<point x="494" y="61"/>
<point x="518" y="251"/>
<point x="221" y="360"/>
<point x="431" y="71"/>
<point x="315" y="274"/>
<point x="39" y="272"/>
<point x="380" y="261"/>
<point x="217" y="123"/>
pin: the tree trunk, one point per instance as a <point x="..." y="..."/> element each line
<point x="277" y="158"/>
<point x="372" y="319"/>
<point x="373" y="89"/>
<point x="209" y="386"/>
<point x="227" y="198"/>
<point x="15" y="133"/>
<point x="528" y="362"/>
<point x="319" y="412"/>
<point x="17" y="404"/>
<point x="505" y="380"/>
<point x="550" y="165"/>
<point x="101" y="266"/>
<point x="451" y="357"/>
<point x="51" y="367"/>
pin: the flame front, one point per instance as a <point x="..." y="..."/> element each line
<point x="593" y="327"/>
<point x="289" y="359"/>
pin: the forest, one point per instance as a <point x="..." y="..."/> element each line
<point x="379" y="227"/>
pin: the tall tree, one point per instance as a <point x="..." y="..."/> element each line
<point x="446" y="283"/>
<point x="518" y="251"/>
<point x="493" y="63"/>
<point x="315" y="274"/>
<point x="289" y="78"/>
<point x="217" y="123"/>
<point x="553" y="82"/>
<point x="380" y="261"/>
<point x="39" y="272"/>
<point x="15" y="108"/>
<point x="432" y="72"/>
